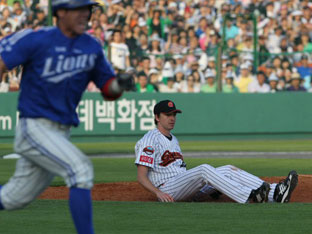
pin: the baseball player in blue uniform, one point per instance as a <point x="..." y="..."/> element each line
<point x="58" y="63"/>
<point x="162" y="171"/>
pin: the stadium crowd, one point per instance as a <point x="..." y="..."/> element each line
<point x="172" y="45"/>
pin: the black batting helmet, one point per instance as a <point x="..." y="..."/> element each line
<point x="71" y="4"/>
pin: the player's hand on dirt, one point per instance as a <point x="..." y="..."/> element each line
<point x="126" y="81"/>
<point x="164" y="197"/>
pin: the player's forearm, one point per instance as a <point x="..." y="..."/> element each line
<point x="147" y="184"/>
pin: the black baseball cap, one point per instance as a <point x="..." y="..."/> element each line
<point x="165" y="106"/>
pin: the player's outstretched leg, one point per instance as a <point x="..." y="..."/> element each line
<point x="1" y="206"/>
<point x="285" y="187"/>
<point x="80" y="204"/>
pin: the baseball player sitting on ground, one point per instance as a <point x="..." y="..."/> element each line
<point x="162" y="171"/>
<point x="58" y="63"/>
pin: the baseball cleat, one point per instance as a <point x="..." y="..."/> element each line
<point x="285" y="187"/>
<point x="207" y="192"/>
<point x="261" y="194"/>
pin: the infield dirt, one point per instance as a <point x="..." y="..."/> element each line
<point x="132" y="191"/>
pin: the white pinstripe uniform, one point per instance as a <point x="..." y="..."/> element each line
<point x="167" y="171"/>
<point x="46" y="152"/>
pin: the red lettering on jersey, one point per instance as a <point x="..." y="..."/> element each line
<point x="169" y="157"/>
<point x="146" y="159"/>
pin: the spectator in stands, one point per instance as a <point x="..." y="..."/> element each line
<point x="143" y="86"/>
<point x="228" y="86"/>
<point x="99" y="35"/>
<point x="132" y="17"/>
<point x="199" y="78"/>
<point x="193" y="51"/>
<point x="116" y="13"/>
<point x="18" y="16"/>
<point x="39" y="19"/>
<point x="198" y="75"/>
<point x="263" y="50"/>
<point x="119" y="52"/>
<point x="234" y="60"/>
<point x="167" y="71"/>
<point x="286" y="64"/>
<point x="156" y="24"/>
<point x="213" y="44"/>
<point x="244" y="79"/>
<point x="231" y="30"/>
<point x="307" y="16"/>
<point x="211" y="63"/>
<point x="305" y="70"/>
<point x="246" y="45"/>
<point x="259" y="85"/>
<point x="295" y="84"/>
<point x="243" y="29"/>
<point x="210" y="86"/>
<point x="172" y="45"/>
<point x="133" y="44"/>
<point x="310" y="89"/>
<point x="160" y="63"/>
<point x="189" y="86"/>
<point x="179" y="79"/>
<point x="277" y="66"/>
<point x="273" y="83"/>
<point x="306" y="42"/>
<point x="202" y="26"/>
<point x="144" y="65"/>
<point x="180" y="63"/>
<point x="205" y="38"/>
<point x="6" y="22"/>
<point x="94" y="23"/>
<point x="3" y="4"/>
<point x="143" y="45"/>
<point x="169" y="87"/>
<point x="286" y="78"/>
<point x="154" y="78"/>
<point x="103" y="18"/>
<point x="155" y="49"/>
<point x="183" y="42"/>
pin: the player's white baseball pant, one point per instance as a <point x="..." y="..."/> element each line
<point x="46" y="151"/>
<point x="230" y="180"/>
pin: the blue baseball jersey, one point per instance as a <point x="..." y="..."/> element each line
<point x="56" y="71"/>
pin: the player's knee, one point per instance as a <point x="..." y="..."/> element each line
<point x="233" y="168"/>
<point x="206" y="169"/>
<point x="17" y="204"/>
<point x="227" y="167"/>
<point x="83" y="177"/>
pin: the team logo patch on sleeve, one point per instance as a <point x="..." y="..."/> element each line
<point x="146" y="159"/>
<point x="148" y="150"/>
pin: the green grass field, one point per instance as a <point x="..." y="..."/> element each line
<point x="187" y="146"/>
<point x="51" y="216"/>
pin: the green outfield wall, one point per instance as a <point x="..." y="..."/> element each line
<point x="205" y="116"/>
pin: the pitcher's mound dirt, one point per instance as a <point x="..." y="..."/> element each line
<point x="132" y="191"/>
